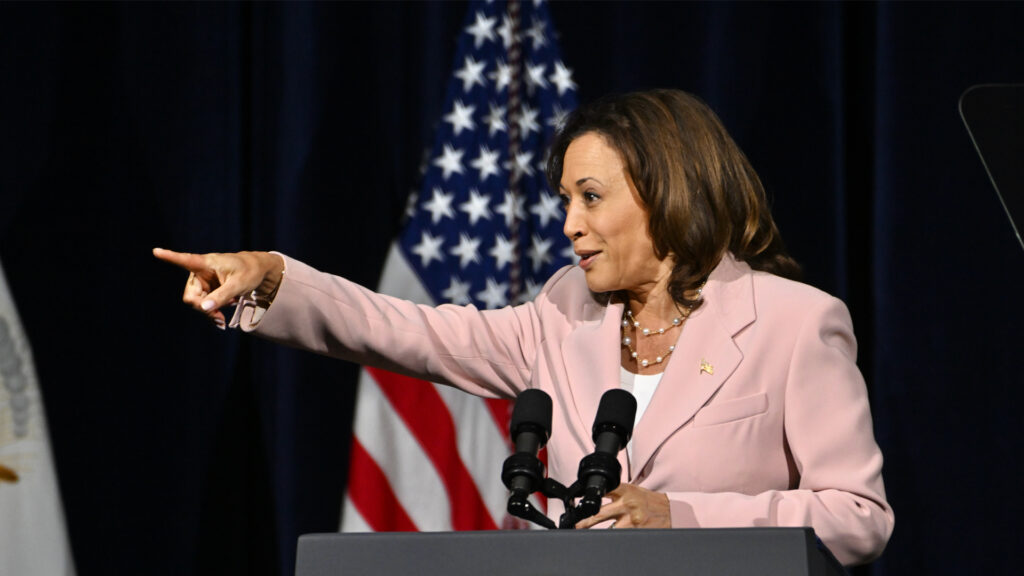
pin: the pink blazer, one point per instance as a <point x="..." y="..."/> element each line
<point x="775" y="431"/>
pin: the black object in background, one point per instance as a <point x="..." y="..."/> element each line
<point x="994" y="116"/>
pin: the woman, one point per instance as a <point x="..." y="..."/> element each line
<point x="752" y="410"/>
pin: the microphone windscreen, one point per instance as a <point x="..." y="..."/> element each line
<point x="533" y="408"/>
<point x="617" y="408"/>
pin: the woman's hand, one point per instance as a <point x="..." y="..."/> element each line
<point x="216" y="280"/>
<point x="633" y="507"/>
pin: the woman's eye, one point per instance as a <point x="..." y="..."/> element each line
<point x="564" y="201"/>
<point x="590" y="197"/>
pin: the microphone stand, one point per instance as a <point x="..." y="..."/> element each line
<point x="520" y="507"/>
<point x="598" y="474"/>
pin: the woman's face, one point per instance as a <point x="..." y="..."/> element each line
<point x="606" y="220"/>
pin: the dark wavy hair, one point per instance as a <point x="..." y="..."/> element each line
<point x="702" y="196"/>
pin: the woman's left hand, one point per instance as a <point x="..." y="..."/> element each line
<point x="633" y="507"/>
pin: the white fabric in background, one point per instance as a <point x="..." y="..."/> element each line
<point x="33" y="537"/>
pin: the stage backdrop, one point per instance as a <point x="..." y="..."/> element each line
<point x="181" y="449"/>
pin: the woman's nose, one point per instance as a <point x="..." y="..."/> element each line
<point x="574" y="226"/>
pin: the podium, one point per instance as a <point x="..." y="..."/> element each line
<point x="689" y="552"/>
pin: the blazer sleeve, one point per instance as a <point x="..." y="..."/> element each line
<point x="487" y="353"/>
<point x="828" y="434"/>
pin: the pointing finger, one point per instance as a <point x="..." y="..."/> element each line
<point x="190" y="262"/>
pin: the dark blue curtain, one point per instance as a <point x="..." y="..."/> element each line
<point x="300" y="127"/>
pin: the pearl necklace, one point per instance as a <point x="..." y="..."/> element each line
<point x="678" y="320"/>
<point x="627" y="342"/>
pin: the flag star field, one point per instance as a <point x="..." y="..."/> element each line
<point x="485" y="205"/>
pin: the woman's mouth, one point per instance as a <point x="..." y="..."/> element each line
<point x="587" y="258"/>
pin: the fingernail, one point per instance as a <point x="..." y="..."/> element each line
<point x="219" y="323"/>
<point x="207" y="305"/>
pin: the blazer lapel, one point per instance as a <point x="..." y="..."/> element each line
<point x="705" y="357"/>
<point x="591" y="356"/>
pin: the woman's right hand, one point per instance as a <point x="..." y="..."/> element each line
<point x="217" y="280"/>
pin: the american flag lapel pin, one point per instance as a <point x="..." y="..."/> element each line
<point x="706" y="366"/>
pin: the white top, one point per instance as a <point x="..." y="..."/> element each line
<point x="642" y="387"/>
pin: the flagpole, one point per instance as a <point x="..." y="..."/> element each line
<point x="515" y="62"/>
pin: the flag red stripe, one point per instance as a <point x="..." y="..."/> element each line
<point x="427" y="417"/>
<point x="372" y="496"/>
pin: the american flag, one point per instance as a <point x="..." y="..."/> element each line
<point x="484" y="229"/>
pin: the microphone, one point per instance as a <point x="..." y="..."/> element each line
<point x="600" y="472"/>
<point x="530" y="429"/>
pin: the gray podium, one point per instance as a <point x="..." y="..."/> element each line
<point x="707" y="552"/>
